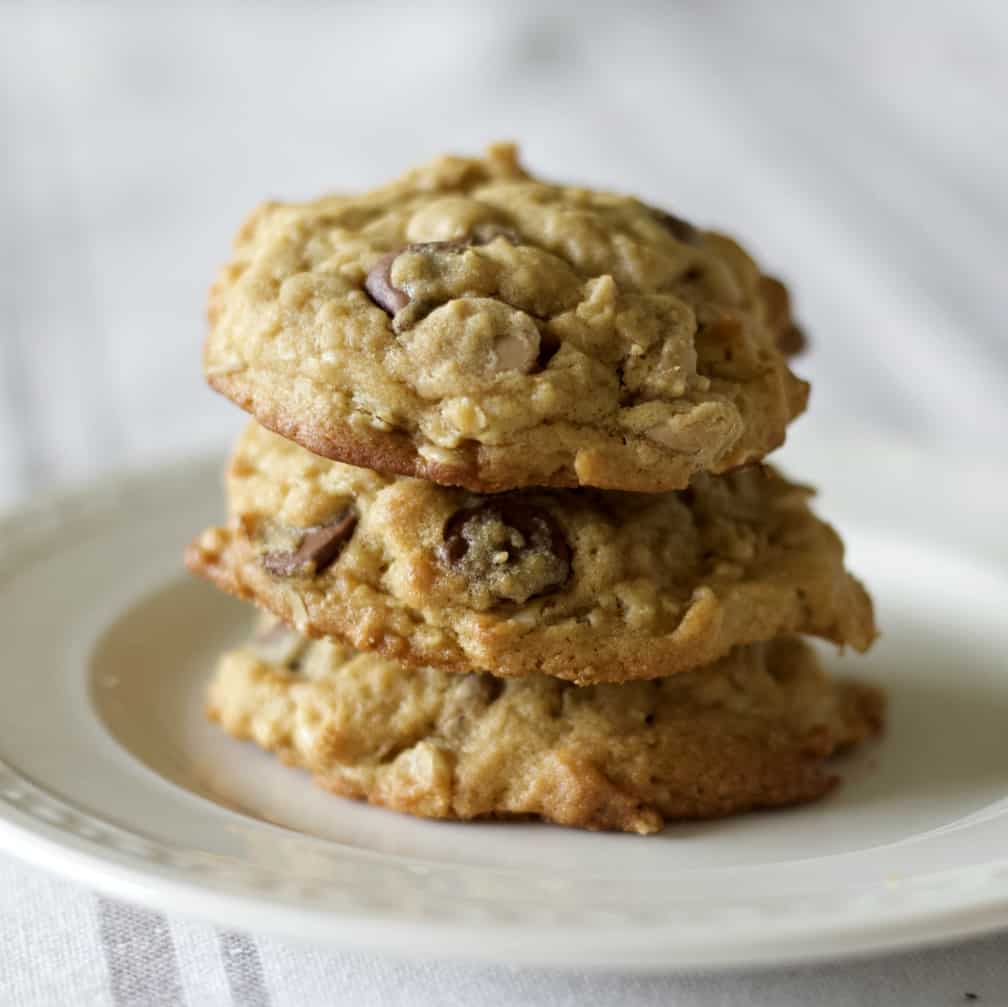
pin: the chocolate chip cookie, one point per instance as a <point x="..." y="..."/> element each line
<point x="586" y="585"/>
<point x="471" y="325"/>
<point x="751" y="731"/>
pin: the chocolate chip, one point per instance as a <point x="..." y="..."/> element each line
<point x="516" y="550"/>
<point x="455" y="546"/>
<point x="379" y="285"/>
<point x="681" y="230"/>
<point x="378" y="282"/>
<point x="317" y="549"/>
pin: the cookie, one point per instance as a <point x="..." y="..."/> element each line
<point x="585" y="585"/>
<point x="752" y="731"/>
<point x="473" y="326"/>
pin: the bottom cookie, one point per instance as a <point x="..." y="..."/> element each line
<point x="751" y="731"/>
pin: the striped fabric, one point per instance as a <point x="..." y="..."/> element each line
<point x="861" y="149"/>
<point x="60" y="945"/>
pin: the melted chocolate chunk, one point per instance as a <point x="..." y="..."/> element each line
<point x="379" y="285"/>
<point x="517" y="550"/>
<point x="318" y="549"/>
<point x="378" y="282"/>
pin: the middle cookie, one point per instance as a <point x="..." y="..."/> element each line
<point x="580" y="584"/>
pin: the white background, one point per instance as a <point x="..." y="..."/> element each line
<point x="861" y="149"/>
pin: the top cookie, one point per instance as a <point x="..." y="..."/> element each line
<point x="473" y="326"/>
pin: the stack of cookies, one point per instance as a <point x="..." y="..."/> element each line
<point x="503" y="500"/>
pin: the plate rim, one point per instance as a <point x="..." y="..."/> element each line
<point x="41" y="845"/>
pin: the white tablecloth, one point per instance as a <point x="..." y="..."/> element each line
<point x="861" y="149"/>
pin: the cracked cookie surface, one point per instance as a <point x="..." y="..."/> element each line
<point x="474" y="326"/>
<point x="751" y="731"/>
<point x="585" y="585"/>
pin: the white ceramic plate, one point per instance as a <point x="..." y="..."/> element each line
<point x="109" y="775"/>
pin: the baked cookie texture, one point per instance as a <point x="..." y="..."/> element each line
<point x="474" y="326"/>
<point x="751" y="731"/>
<point x="584" y="585"/>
